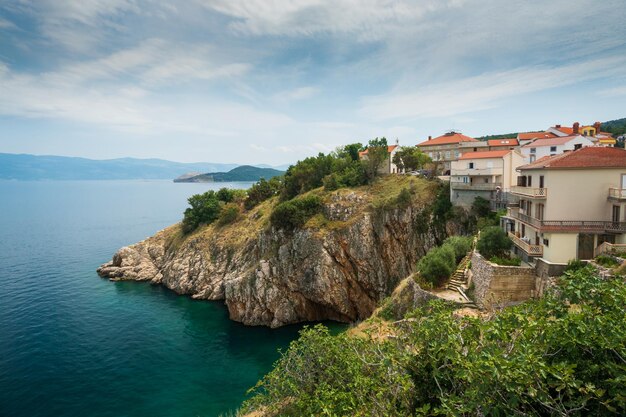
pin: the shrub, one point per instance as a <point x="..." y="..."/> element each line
<point x="205" y="209"/>
<point x="493" y="242"/>
<point x="574" y="265"/>
<point x="261" y="191"/>
<point x="404" y="198"/>
<point x="225" y="194"/>
<point x="230" y="213"/>
<point x="295" y="213"/>
<point x="437" y="265"/>
<point x="606" y="261"/>
<point x="481" y="207"/>
<point x="460" y="244"/>
<point x="505" y="261"/>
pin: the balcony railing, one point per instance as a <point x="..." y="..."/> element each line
<point x="617" y="193"/>
<point x="530" y="191"/>
<point x="569" y="225"/>
<point x="610" y="248"/>
<point x="486" y="186"/>
<point x="532" y="250"/>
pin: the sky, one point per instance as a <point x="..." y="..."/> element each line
<point x="272" y="82"/>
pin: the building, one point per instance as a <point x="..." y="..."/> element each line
<point x="486" y="174"/>
<point x="570" y="206"/>
<point x="387" y="167"/>
<point x="527" y="137"/>
<point x="540" y="148"/>
<point x="445" y="149"/>
<point x="593" y="132"/>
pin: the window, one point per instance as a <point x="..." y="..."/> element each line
<point x="486" y="180"/>
<point x="578" y="146"/>
<point x="470" y="165"/>
<point x="552" y="148"/>
<point x="490" y="164"/>
<point x="529" y="182"/>
<point x="546" y="242"/>
<point x="616" y="213"/>
<point x="541" y="181"/>
<point x="533" y="150"/>
<point x="532" y="158"/>
<point x="447" y="154"/>
<point x="456" y="154"/>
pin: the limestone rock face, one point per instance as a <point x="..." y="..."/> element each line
<point x="276" y="277"/>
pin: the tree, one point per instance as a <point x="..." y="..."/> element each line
<point x="481" y="207"/>
<point x="205" y="209"/>
<point x="410" y="158"/>
<point x="493" y="242"/>
<point x="377" y="154"/>
<point x="438" y="264"/>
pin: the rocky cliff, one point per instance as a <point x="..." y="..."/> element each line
<point x="337" y="267"/>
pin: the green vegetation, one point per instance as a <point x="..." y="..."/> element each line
<point x="615" y="127"/>
<point x="208" y="207"/>
<point x="261" y="191"/>
<point x="440" y="262"/>
<point x="295" y="213"/>
<point x="377" y="154"/>
<point x="505" y="261"/>
<point x="493" y="242"/>
<point x="574" y="265"/>
<point x="563" y="354"/>
<point x="229" y="214"/>
<point x="410" y="158"/>
<point x="606" y="261"/>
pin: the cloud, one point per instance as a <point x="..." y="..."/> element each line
<point x="484" y="91"/>
<point x="6" y="24"/>
<point x="368" y="19"/>
<point x="616" y="91"/>
<point x="296" y="94"/>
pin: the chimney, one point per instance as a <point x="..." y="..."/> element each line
<point x="558" y="126"/>
<point x="430" y="137"/>
<point x="576" y="127"/>
<point x="597" y="126"/>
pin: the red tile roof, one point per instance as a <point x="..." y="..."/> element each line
<point x="564" y="129"/>
<point x="535" y="135"/>
<point x="550" y="142"/>
<point x="589" y="157"/>
<point x="447" y="139"/>
<point x="390" y="149"/>
<point x="503" y="142"/>
<point x="484" y="154"/>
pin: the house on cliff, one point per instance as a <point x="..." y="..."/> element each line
<point x="445" y="148"/>
<point x="387" y="167"/>
<point x="571" y="206"/>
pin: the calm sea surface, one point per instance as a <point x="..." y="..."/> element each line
<point x="73" y="344"/>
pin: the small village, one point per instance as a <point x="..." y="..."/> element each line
<point x="560" y="195"/>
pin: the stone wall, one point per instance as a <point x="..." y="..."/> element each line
<point x="500" y="285"/>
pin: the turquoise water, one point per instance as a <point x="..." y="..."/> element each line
<point x="73" y="344"/>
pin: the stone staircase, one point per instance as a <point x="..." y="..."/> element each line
<point x="458" y="282"/>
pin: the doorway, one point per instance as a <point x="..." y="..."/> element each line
<point x="585" y="246"/>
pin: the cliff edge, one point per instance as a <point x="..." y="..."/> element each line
<point x="336" y="267"/>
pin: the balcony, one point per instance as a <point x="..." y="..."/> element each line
<point x="529" y="191"/>
<point x="474" y="172"/>
<point x="573" y="226"/>
<point x="485" y="186"/>
<point x="617" y="194"/>
<point x="532" y="250"/>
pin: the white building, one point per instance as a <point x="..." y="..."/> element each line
<point x="539" y="148"/>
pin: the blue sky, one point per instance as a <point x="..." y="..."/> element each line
<point x="268" y="81"/>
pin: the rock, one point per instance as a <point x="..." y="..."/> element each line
<point x="274" y="278"/>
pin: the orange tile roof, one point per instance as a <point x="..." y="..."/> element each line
<point x="447" y="139"/>
<point x="550" y="142"/>
<point x="484" y="154"/>
<point x="568" y="130"/>
<point x="589" y="157"/>
<point x="390" y="149"/>
<point x="503" y="142"/>
<point x="535" y="135"/>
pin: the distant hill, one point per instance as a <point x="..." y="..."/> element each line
<point x="35" y="167"/>
<point x="616" y="127"/>
<point x="242" y="173"/>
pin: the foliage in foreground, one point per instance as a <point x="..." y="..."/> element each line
<point x="564" y="354"/>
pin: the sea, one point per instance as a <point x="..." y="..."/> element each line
<point x="74" y="344"/>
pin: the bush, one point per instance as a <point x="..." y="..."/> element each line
<point x="404" y="198"/>
<point x="504" y="261"/>
<point x="295" y="213"/>
<point x="574" y="265"/>
<point x="493" y="242"/>
<point x="437" y="265"/>
<point x="230" y="213"/>
<point x="460" y="244"/>
<point x="606" y="261"/>
<point x="205" y="209"/>
<point x="261" y="191"/>
<point x="481" y="207"/>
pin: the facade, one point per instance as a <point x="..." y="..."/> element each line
<point x="445" y="149"/>
<point x="593" y="132"/>
<point x="569" y="206"/>
<point x="527" y="137"/>
<point x="540" y="148"/>
<point x="387" y="167"/>
<point x="487" y="174"/>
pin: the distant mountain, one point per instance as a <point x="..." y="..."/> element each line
<point x="242" y="173"/>
<point x="616" y="127"/>
<point x="34" y="167"/>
